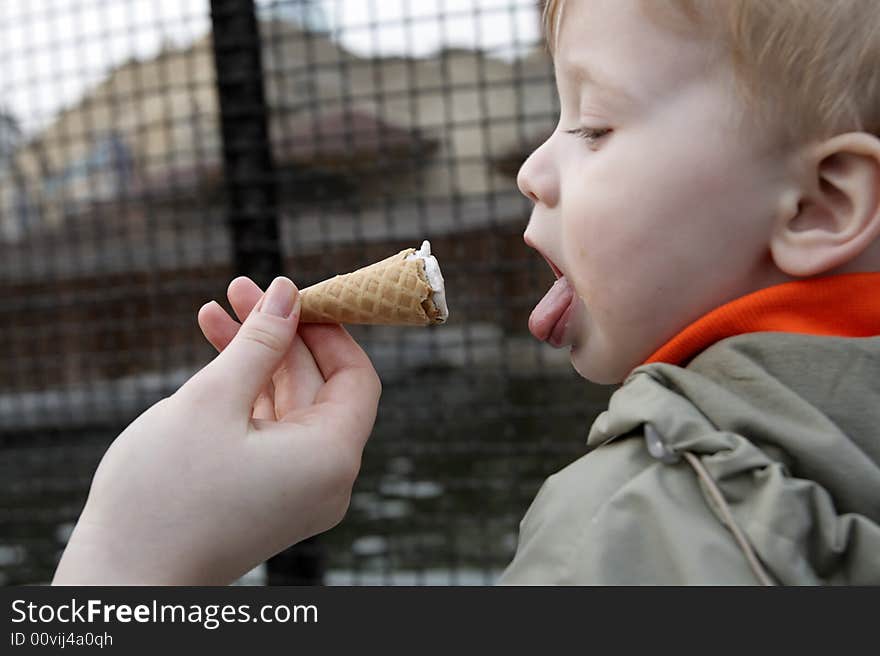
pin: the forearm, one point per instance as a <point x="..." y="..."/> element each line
<point x="97" y="556"/>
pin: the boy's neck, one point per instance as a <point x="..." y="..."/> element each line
<point x="845" y="305"/>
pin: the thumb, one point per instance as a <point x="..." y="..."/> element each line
<point x="255" y="352"/>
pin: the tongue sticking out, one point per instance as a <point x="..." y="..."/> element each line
<point x="549" y="311"/>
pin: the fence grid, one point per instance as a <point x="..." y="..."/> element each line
<point x="151" y="151"/>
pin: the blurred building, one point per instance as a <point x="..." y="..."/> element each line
<point x="124" y="189"/>
<point x="441" y="126"/>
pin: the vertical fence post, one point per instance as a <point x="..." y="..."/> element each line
<point x="251" y="195"/>
<point x="252" y="203"/>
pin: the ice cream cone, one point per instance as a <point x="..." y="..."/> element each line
<point x="394" y="291"/>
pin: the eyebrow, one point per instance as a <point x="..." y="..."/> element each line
<point x="584" y="75"/>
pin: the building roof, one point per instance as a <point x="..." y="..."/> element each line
<point x="348" y="139"/>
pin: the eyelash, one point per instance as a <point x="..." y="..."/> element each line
<point x="591" y="135"/>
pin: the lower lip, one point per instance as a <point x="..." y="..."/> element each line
<point x="562" y="331"/>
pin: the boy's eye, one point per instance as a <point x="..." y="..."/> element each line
<point x="591" y="135"/>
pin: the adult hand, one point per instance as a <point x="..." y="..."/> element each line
<point x="257" y="451"/>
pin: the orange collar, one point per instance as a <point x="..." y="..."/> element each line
<point x="846" y="305"/>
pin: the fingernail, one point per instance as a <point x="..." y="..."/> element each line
<point x="278" y="300"/>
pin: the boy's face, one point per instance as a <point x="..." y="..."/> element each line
<point x="663" y="218"/>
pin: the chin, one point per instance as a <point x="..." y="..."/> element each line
<point x="596" y="368"/>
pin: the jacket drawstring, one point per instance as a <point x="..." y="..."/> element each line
<point x="658" y="448"/>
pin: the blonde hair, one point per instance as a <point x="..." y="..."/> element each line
<point x="806" y="69"/>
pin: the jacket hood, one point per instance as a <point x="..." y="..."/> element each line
<point x="788" y="426"/>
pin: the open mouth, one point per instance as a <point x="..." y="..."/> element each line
<point x="556" y="271"/>
<point x="549" y="321"/>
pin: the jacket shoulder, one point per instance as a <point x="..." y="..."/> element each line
<point x="617" y="516"/>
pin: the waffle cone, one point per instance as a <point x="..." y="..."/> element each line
<point x="393" y="292"/>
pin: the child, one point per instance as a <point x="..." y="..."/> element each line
<point x="710" y="204"/>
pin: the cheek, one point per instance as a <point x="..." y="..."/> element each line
<point x="611" y="222"/>
<point x="697" y="194"/>
<point x="638" y="230"/>
<point x="599" y="262"/>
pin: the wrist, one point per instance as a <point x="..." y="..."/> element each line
<point x="95" y="556"/>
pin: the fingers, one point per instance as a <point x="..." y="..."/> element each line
<point x="351" y="379"/>
<point x="219" y="329"/>
<point x="333" y="348"/>
<point x="257" y="350"/>
<point x="217" y="326"/>
<point x="319" y="353"/>
<point x="298" y="380"/>
<point x="264" y="406"/>
<point x="243" y="294"/>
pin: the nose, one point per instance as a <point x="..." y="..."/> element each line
<point x="537" y="178"/>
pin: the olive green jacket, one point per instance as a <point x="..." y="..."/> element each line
<point x="786" y="426"/>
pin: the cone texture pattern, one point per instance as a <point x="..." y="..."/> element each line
<point x="394" y="291"/>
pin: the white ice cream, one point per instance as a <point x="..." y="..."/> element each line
<point x="435" y="278"/>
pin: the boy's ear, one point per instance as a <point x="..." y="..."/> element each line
<point x="834" y="215"/>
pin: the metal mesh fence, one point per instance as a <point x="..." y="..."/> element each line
<point x="151" y="151"/>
